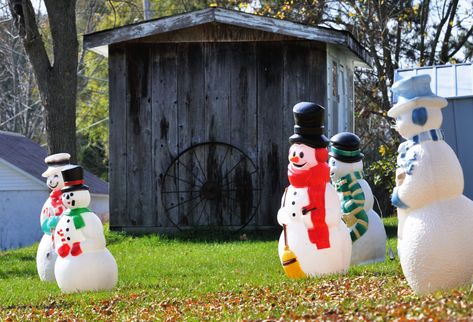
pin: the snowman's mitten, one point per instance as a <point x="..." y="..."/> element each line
<point x="52" y="222"/>
<point x="76" y="249"/>
<point x="64" y="250"/>
<point x="45" y="227"/>
<point x="396" y="200"/>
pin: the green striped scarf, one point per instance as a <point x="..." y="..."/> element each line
<point x="353" y="200"/>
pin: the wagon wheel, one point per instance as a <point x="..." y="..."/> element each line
<point x="211" y="184"/>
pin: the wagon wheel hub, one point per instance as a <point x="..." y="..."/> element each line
<point x="210" y="190"/>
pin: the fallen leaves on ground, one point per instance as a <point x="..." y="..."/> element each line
<point x="367" y="297"/>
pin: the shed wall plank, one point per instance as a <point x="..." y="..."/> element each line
<point x="118" y="140"/>
<point x="272" y="137"/>
<point x="140" y="197"/>
<point x="164" y="121"/>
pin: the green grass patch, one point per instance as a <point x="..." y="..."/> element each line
<point x="212" y="275"/>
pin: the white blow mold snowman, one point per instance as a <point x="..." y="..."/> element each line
<point x="366" y="228"/>
<point x="50" y="214"/>
<point x="310" y="211"/>
<point x="84" y="263"/>
<point x="435" y="240"/>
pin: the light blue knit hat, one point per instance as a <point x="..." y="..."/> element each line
<point x="414" y="92"/>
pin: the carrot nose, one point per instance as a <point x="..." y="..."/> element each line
<point x="294" y="159"/>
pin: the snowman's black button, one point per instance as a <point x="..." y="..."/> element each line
<point x="68" y="238"/>
<point x="68" y="220"/>
<point x="293" y="202"/>
<point x="67" y="229"/>
<point x="295" y="193"/>
<point x="293" y="214"/>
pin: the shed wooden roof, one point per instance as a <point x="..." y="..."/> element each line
<point x="99" y="41"/>
<point x="28" y="156"/>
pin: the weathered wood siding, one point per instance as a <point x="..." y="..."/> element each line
<point x="166" y="98"/>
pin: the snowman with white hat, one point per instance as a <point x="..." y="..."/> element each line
<point x="50" y="215"/>
<point x="435" y="219"/>
<point x="315" y="241"/>
<point x="346" y="171"/>
<point x="84" y="262"/>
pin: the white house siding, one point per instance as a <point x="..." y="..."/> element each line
<point x="19" y="214"/>
<point x="21" y="199"/>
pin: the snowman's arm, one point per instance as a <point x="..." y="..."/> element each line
<point x="93" y="233"/>
<point x="415" y="184"/>
<point x="282" y="215"/>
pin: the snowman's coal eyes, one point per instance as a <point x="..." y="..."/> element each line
<point x="294" y="153"/>
<point x="72" y="194"/>
<point x="56" y="176"/>
<point x="301" y="154"/>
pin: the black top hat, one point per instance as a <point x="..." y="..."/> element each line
<point x="73" y="179"/>
<point x="345" y="146"/>
<point x="309" y="125"/>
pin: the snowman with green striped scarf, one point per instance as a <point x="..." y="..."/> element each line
<point x="346" y="172"/>
<point x="84" y="263"/>
<point x="435" y="239"/>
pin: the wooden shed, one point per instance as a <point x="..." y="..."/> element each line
<point x="201" y="111"/>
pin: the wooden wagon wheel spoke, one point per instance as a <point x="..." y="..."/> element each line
<point x="203" y="207"/>
<point x="225" y="191"/>
<point x="190" y="171"/>
<point x="200" y="166"/>
<point x="182" y="203"/>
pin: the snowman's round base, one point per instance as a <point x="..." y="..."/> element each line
<point x="317" y="262"/>
<point x="46" y="259"/>
<point x="371" y="247"/>
<point x="91" y="271"/>
<point x="437" y="245"/>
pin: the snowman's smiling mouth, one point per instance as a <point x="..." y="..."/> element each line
<point x="73" y="203"/>
<point x="299" y="165"/>
<point x="53" y="186"/>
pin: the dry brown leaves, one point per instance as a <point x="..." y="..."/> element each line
<point x="342" y="298"/>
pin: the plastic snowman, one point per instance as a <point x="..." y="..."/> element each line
<point x="50" y="215"/>
<point x="84" y="263"/>
<point x="310" y="211"/>
<point x="346" y="171"/>
<point x="435" y="219"/>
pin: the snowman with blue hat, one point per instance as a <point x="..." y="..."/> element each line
<point x="435" y="242"/>
<point x="346" y="172"/>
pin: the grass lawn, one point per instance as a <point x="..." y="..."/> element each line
<point x="220" y="276"/>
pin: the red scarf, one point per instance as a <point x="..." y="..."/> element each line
<point x="315" y="179"/>
<point x="56" y="202"/>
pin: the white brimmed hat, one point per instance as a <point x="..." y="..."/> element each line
<point x="55" y="163"/>
<point x="414" y="92"/>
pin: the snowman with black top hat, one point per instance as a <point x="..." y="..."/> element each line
<point x="84" y="262"/>
<point x="346" y="171"/>
<point x="50" y="215"/>
<point x="315" y="241"/>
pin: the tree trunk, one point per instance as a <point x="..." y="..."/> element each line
<point x="57" y="81"/>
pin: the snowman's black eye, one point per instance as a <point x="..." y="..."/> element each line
<point x="56" y="176"/>
<point x="294" y="153"/>
<point x="301" y="154"/>
<point x="72" y="194"/>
